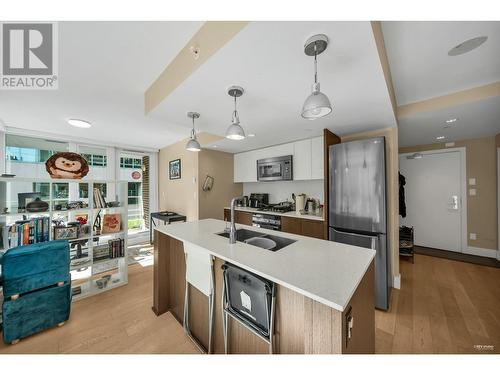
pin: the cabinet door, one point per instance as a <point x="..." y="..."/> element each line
<point x="245" y="167"/>
<point x="302" y="160"/>
<point x="290" y="225"/>
<point x="313" y="228"/>
<point x="227" y="215"/>
<point x="275" y="151"/>
<point x="317" y="160"/>
<point x="244" y="218"/>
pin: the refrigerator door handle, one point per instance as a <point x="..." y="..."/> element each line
<point x="373" y="238"/>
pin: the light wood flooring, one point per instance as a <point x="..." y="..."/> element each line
<point x="118" y="321"/>
<point x="444" y="306"/>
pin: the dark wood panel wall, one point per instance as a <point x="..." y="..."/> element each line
<point x="328" y="139"/>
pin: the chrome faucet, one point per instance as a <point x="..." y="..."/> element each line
<point x="232" y="228"/>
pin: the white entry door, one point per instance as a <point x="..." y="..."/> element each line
<point x="433" y="199"/>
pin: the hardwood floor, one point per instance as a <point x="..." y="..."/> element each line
<point x="444" y="306"/>
<point x="118" y="321"/>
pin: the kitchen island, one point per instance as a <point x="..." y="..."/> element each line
<point x="321" y="287"/>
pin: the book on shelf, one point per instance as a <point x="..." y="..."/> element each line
<point x="25" y="232"/>
<point x="113" y="249"/>
<point x="99" y="201"/>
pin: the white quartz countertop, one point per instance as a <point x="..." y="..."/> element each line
<point x="325" y="271"/>
<point x="289" y="213"/>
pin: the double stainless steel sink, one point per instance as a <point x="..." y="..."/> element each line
<point x="262" y="240"/>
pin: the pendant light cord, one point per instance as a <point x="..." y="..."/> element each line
<point x="315" y="64"/>
<point x="235" y="112"/>
<point x="193" y="132"/>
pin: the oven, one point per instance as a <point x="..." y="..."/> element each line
<point x="275" y="169"/>
<point x="266" y="221"/>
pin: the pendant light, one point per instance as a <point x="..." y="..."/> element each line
<point x="317" y="105"/>
<point x="235" y="131"/>
<point x="193" y="144"/>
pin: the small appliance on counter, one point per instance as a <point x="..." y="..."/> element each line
<point x="300" y="203"/>
<point x="258" y="200"/>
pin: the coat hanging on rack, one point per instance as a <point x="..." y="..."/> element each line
<point x="402" y="202"/>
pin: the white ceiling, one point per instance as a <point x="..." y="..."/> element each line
<point x="419" y="61"/>
<point x="475" y="120"/>
<point x="421" y="69"/>
<point x="267" y="59"/>
<point x="104" y="69"/>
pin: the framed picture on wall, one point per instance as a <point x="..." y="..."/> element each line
<point x="174" y="169"/>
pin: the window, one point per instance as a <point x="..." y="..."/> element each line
<point x="134" y="163"/>
<point x="25" y="156"/>
<point x="95" y="156"/>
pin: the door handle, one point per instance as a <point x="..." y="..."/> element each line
<point x="454" y="202"/>
<point x="372" y="238"/>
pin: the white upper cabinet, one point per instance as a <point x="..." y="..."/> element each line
<point x="307" y="160"/>
<point x="302" y="160"/>
<point x="245" y="167"/>
<point x="317" y="159"/>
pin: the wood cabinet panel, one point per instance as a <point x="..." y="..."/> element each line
<point x="244" y="218"/>
<point x="291" y="225"/>
<point x="312" y="228"/>
<point x="241" y="217"/>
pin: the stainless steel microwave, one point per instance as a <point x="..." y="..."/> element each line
<point x="275" y="169"/>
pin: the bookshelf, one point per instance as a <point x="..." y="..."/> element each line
<point x="71" y="204"/>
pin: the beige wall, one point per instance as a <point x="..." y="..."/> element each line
<point x="185" y="195"/>
<point x="218" y="165"/>
<point x="392" y="167"/>
<point x="481" y="164"/>
<point x="179" y="195"/>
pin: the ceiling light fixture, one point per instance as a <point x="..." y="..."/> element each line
<point x="193" y="144"/>
<point x="251" y="135"/>
<point x="467" y="46"/>
<point x="317" y="104"/>
<point x="440" y="137"/>
<point x="79" y="123"/>
<point x="235" y="131"/>
<point x="451" y="120"/>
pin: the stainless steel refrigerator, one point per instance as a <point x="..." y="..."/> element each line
<point x="357" y="201"/>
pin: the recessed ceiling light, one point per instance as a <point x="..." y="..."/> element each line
<point x="251" y="135"/>
<point x="467" y="46"/>
<point x="79" y="123"/>
<point x="215" y="146"/>
<point x="449" y="121"/>
<point x="440" y="137"/>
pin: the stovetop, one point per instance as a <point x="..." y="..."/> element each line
<point x="280" y="207"/>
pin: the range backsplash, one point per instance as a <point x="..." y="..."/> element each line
<point x="279" y="191"/>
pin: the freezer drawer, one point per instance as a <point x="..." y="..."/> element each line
<point x="379" y="244"/>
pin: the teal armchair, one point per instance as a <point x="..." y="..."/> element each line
<point x="36" y="287"/>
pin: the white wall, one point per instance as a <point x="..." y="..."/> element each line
<point x="279" y="191"/>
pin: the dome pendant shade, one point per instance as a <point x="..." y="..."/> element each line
<point x="193" y="144"/>
<point x="317" y="105"/>
<point x="235" y="132"/>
